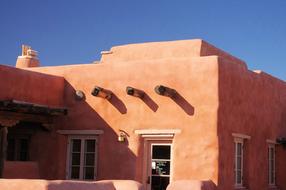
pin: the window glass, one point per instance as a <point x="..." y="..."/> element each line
<point x="82" y="158"/>
<point x="76" y="145"/>
<point x="159" y="183"/>
<point x="238" y="162"/>
<point x="271" y="164"/>
<point x="161" y="167"/>
<point x="89" y="173"/>
<point x="75" y="172"/>
<point x="161" y="152"/>
<point x="18" y="148"/>
<point x="90" y="145"/>
<point x="11" y="150"/>
<point x="75" y="159"/>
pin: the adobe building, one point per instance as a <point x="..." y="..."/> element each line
<point x="152" y="112"/>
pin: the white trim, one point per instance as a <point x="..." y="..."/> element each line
<point x="159" y="135"/>
<point x="106" y="52"/>
<point x="148" y="142"/>
<point x="239" y="135"/>
<point x="271" y="141"/>
<point x="157" y="131"/>
<point x="69" y="147"/>
<point x="80" y="132"/>
<point x="168" y="160"/>
<point x="236" y="142"/>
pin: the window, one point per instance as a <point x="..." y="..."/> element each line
<point x="271" y="164"/>
<point x="18" y="148"/>
<point x="82" y="157"/>
<point x="238" y="165"/>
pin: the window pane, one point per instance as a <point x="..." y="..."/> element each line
<point x="89" y="173"/>
<point x="161" y="167"/>
<point x="238" y="161"/>
<point x="89" y="159"/>
<point x="76" y="145"/>
<point x="23" y="154"/>
<point x="161" y="152"/>
<point x="159" y="183"/>
<point x="238" y="177"/>
<point x="239" y="148"/>
<point x="11" y="150"/>
<point x="272" y="181"/>
<point x="90" y="145"/>
<point x="271" y="153"/>
<point x="75" y="172"/>
<point x="24" y="144"/>
<point x="76" y="159"/>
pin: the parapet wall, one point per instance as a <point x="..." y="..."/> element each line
<point x="162" y="50"/>
<point x="31" y="86"/>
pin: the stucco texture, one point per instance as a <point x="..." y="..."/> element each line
<point x="216" y="96"/>
<point x="16" y="184"/>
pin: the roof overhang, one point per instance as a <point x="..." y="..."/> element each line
<point x="31" y="108"/>
<point x="13" y="111"/>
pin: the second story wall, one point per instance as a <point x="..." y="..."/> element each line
<point x="252" y="104"/>
<point x="31" y="86"/>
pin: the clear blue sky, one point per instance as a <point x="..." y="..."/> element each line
<point x="69" y="31"/>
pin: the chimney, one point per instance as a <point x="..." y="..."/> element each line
<point x="29" y="58"/>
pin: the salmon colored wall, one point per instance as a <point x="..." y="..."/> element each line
<point x="251" y="103"/>
<point x="44" y="150"/>
<point x="195" y="113"/>
<point x="217" y="97"/>
<point x="18" y="170"/>
<point x="23" y="184"/>
<point x="30" y="86"/>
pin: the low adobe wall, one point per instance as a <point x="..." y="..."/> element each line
<point x="24" y="184"/>
<point x="191" y="185"/>
<point x="18" y="170"/>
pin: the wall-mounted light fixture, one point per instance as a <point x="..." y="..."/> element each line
<point x="122" y="136"/>
<point x="134" y="92"/>
<point x="165" y="91"/>
<point x="282" y="141"/>
<point x="101" y="92"/>
<point x="79" y="95"/>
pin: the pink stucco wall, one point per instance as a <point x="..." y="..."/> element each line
<point x="251" y="103"/>
<point x="30" y="86"/>
<point x="218" y="96"/>
<point x="18" y="170"/>
<point x="16" y="184"/>
<point x="194" y="112"/>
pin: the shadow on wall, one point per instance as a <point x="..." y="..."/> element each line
<point x="184" y="104"/>
<point x="149" y="102"/>
<point x="118" y="104"/>
<point x="115" y="160"/>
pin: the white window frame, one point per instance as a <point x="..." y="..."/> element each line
<point x="237" y="141"/>
<point x="270" y="171"/>
<point x="69" y="149"/>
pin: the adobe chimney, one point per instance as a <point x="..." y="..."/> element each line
<point x="29" y="58"/>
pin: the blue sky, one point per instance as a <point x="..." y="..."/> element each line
<point x="70" y="32"/>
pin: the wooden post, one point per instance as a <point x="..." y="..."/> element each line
<point x="3" y="146"/>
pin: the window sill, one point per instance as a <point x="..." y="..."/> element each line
<point x="273" y="187"/>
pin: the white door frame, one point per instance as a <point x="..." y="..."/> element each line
<point x="148" y="142"/>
